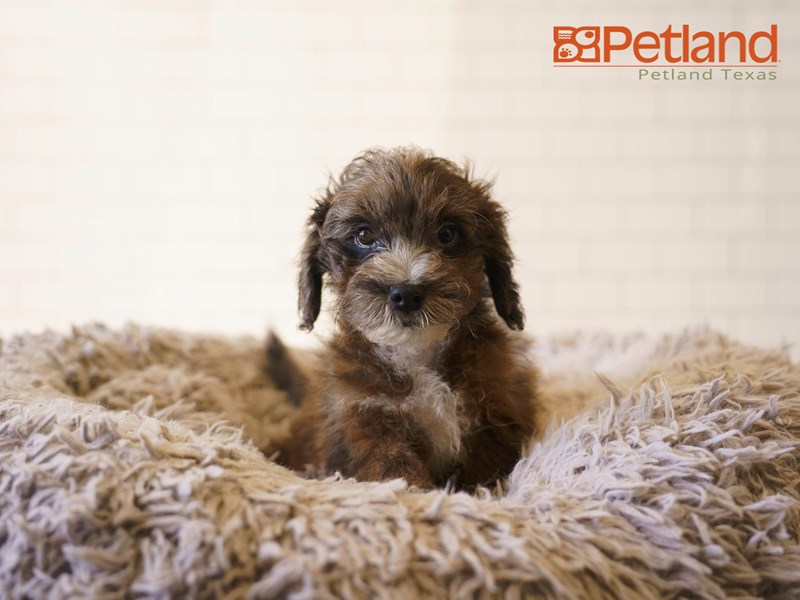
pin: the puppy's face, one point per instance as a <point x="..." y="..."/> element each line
<point x="408" y="242"/>
<point x="404" y="261"/>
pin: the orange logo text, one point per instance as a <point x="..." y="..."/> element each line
<point x="674" y="46"/>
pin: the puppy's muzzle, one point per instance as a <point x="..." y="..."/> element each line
<point x="406" y="297"/>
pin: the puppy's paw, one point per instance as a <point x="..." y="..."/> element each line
<point x="419" y="480"/>
<point x="396" y="464"/>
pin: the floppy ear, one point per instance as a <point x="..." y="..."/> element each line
<point x="311" y="268"/>
<point x="498" y="262"/>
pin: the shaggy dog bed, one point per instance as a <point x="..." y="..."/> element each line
<point x="129" y="466"/>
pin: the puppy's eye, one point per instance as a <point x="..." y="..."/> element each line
<point x="447" y="235"/>
<point x="365" y="238"/>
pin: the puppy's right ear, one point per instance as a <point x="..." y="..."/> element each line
<point x="311" y="268"/>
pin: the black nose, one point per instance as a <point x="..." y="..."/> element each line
<point x="405" y="297"/>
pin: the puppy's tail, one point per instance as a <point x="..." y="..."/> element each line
<point x="283" y="370"/>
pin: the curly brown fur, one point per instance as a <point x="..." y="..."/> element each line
<point x="421" y="378"/>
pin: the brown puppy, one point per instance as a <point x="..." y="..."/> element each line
<point x="421" y="380"/>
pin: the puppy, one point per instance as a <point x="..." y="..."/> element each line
<point x="422" y="378"/>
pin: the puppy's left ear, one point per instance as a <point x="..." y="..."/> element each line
<point x="311" y="268"/>
<point x="498" y="262"/>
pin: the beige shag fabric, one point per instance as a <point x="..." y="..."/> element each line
<point x="129" y="468"/>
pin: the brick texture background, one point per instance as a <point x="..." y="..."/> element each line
<point x="158" y="157"/>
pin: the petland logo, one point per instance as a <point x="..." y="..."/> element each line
<point x="673" y="54"/>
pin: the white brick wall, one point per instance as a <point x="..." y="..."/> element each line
<point x="157" y="158"/>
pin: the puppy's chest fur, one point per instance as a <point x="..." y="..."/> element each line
<point x="432" y="407"/>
